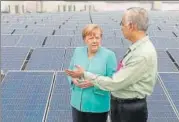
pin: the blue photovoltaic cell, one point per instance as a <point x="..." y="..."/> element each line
<point x="175" y="54"/>
<point x="65" y="32"/>
<point x="159" y="108"/>
<point x="165" y="42"/>
<point x="111" y="41"/>
<point x="10" y="40"/>
<point x="23" y="31"/>
<point x="77" y="41"/>
<point x="43" y="31"/>
<point x="176" y="32"/>
<point x="166" y="65"/>
<point x="12" y="58"/>
<point x="161" y="53"/>
<point x="60" y="108"/>
<point x="171" y="82"/>
<point x="15" y="26"/>
<point x="68" y="55"/>
<point x="6" y="30"/>
<point x="46" y="59"/>
<point x="32" y="41"/>
<point x="119" y="52"/>
<point x="58" y="41"/>
<point x="32" y="26"/>
<point x="25" y="96"/>
<point x="3" y="36"/>
<point x="165" y="33"/>
<point x="60" y="116"/>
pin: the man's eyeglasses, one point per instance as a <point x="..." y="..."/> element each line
<point x="122" y="24"/>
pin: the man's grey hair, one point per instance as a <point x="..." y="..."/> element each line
<point x="138" y="16"/>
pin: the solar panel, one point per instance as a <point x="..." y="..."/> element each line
<point x="23" y="31"/>
<point x="159" y="108"/>
<point x="5" y="30"/>
<point x="32" y="26"/>
<point x="60" y="108"/>
<point x="165" y="42"/>
<point x="58" y="41"/>
<point x="10" y="40"/>
<point x="46" y="59"/>
<point x="51" y="25"/>
<point x="175" y="54"/>
<point x="171" y="82"/>
<point x="161" y="53"/>
<point x="176" y="32"/>
<point x="153" y="27"/>
<point x="32" y="41"/>
<point x="13" y="58"/>
<point x="3" y="37"/>
<point x="77" y="41"/>
<point x="166" y="27"/>
<point x="68" y="55"/>
<point x="166" y="65"/>
<point x="43" y="31"/>
<point x="25" y="96"/>
<point x="65" y="32"/>
<point x="111" y="41"/>
<point x="68" y="27"/>
<point x="60" y="116"/>
<point x="14" y="26"/>
<point x="161" y="34"/>
<point x="120" y="52"/>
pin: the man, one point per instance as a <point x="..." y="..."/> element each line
<point x="136" y="74"/>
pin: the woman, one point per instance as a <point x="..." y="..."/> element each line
<point x="90" y="104"/>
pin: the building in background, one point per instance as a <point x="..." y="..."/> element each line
<point x="20" y="7"/>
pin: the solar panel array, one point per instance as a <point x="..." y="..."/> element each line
<point x="160" y="109"/>
<point x="25" y="96"/>
<point x="39" y="47"/>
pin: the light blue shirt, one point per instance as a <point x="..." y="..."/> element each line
<point x="92" y="99"/>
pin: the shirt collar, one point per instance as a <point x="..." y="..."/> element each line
<point x="138" y="43"/>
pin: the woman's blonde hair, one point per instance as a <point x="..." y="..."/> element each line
<point x="88" y="30"/>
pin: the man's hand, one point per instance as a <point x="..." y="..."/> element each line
<point x="75" y="73"/>
<point x="84" y="84"/>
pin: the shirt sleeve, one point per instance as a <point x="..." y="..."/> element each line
<point x="128" y="75"/>
<point x="111" y="66"/>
